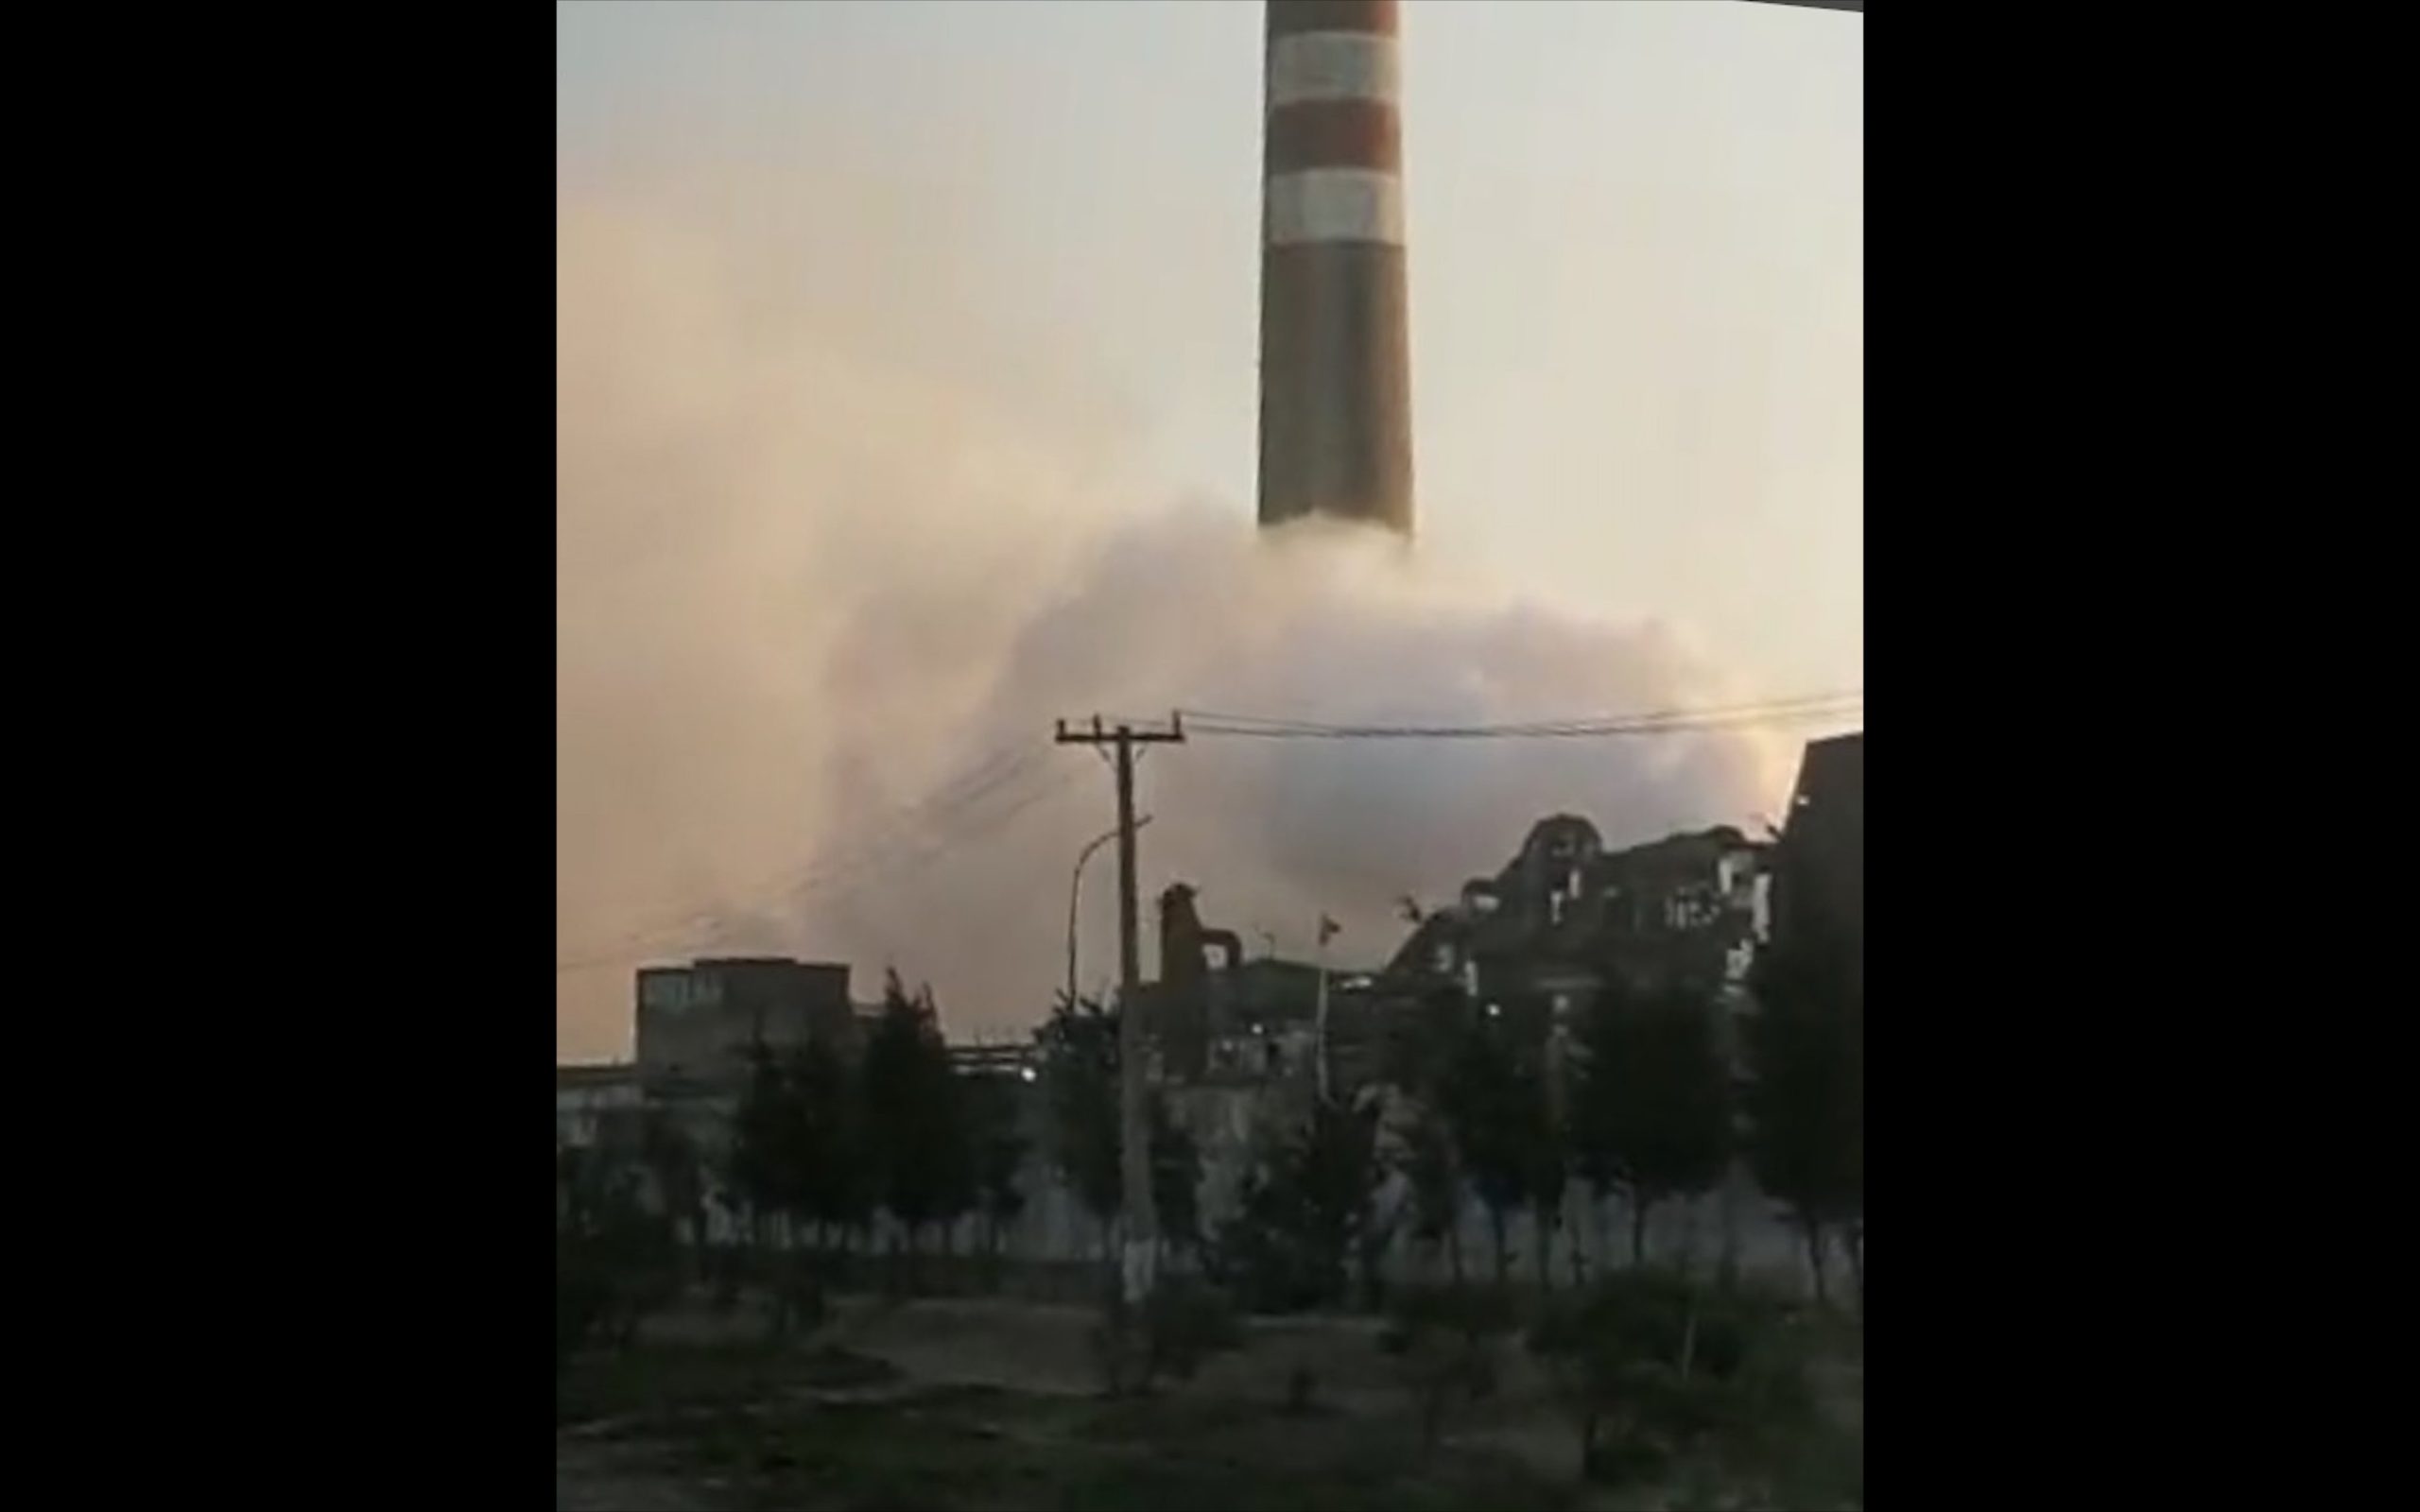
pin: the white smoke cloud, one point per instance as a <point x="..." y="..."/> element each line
<point x="832" y="554"/>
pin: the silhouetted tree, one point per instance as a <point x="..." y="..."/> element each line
<point x="1424" y="1060"/>
<point x="1542" y="1183"/>
<point x="1000" y="1148"/>
<point x="826" y="1180"/>
<point x="1079" y="1047"/>
<point x="614" y="1261"/>
<point x="793" y="1164"/>
<point x="1176" y="1177"/>
<point x="1806" y="1094"/>
<point x="1497" y="1107"/>
<point x="918" y="1143"/>
<point x="1650" y="1109"/>
<point x="1082" y="1092"/>
<point x="1663" y="1363"/>
<point x="1432" y="1170"/>
<point x="673" y="1162"/>
<point x="1446" y="1341"/>
<point x="1305" y="1208"/>
<point x="574" y="1185"/>
<point x="762" y="1158"/>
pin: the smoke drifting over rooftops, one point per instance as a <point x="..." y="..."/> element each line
<point x="834" y="547"/>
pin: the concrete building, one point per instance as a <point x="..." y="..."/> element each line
<point x="1538" y="940"/>
<point x="1534" y="945"/>
<point x="598" y="1105"/>
<point x="1820" y="896"/>
<point x="1216" y="1016"/>
<point x="1233" y="1044"/>
<point x="698" y="1023"/>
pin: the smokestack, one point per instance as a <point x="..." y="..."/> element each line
<point x="1335" y="384"/>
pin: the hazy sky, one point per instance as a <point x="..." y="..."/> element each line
<point x="1636" y="235"/>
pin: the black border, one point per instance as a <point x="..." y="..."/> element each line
<point x="337" y="244"/>
<point x="2064" y="1308"/>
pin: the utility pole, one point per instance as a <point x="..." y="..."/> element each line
<point x="1329" y="928"/>
<point x="1134" y="1134"/>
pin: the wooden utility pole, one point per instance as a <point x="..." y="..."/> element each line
<point x="1134" y="1134"/>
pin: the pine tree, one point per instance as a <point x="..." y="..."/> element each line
<point x="1652" y="1101"/>
<point x="1080" y="1092"/>
<point x="999" y="1157"/>
<point x="918" y="1146"/>
<point x="1496" y="1109"/>
<point x="1805" y="1053"/>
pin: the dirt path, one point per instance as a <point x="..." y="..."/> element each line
<point x="1045" y="1352"/>
<point x="606" y="1478"/>
<point x="1017" y="1347"/>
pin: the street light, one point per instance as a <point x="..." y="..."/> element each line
<point x="1075" y="889"/>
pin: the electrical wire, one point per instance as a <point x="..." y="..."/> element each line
<point x="949" y="804"/>
<point x="958" y="803"/>
<point x="1657" y="722"/>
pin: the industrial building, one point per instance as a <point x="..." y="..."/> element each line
<point x="699" y="1023"/>
<point x="1237" y="1043"/>
<point x="1230" y="1018"/>
<point x="599" y="1107"/>
<point x="1820" y="896"/>
<point x="1540" y="938"/>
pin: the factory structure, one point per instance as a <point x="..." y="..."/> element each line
<point x="1239" y="1044"/>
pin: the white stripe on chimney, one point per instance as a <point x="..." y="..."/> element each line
<point x="1335" y="205"/>
<point x="1332" y="65"/>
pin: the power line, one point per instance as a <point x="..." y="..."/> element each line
<point x="1658" y="722"/>
<point x="1767" y="708"/>
<point x="953" y="803"/>
<point x="986" y="776"/>
<point x="943" y="845"/>
<point x="957" y="803"/>
<point x="967" y="789"/>
<point x="715" y="921"/>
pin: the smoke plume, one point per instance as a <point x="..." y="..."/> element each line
<point x="835" y="544"/>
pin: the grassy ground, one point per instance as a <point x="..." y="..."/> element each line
<point x="687" y="1423"/>
<point x="737" y="1431"/>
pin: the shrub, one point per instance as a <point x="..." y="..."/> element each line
<point x="1665" y="1364"/>
<point x="1185" y="1322"/>
<point x="582" y="1299"/>
<point x="797" y="1293"/>
<point x="640" y="1260"/>
<point x="613" y="1268"/>
<point x="1300" y="1388"/>
<point x="728" y="1268"/>
<point x="1445" y="1339"/>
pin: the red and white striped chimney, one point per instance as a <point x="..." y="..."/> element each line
<point x="1334" y="382"/>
